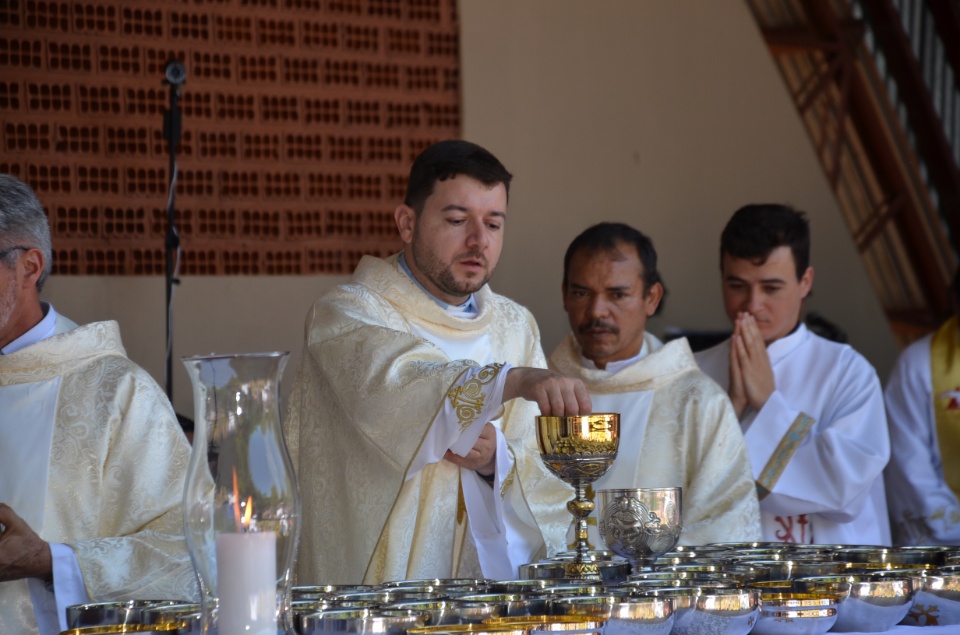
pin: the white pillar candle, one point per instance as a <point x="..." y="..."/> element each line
<point x="247" y="583"/>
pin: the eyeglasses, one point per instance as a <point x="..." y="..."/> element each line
<point x="9" y="250"/>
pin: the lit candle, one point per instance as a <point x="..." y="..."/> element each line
<point x="247" y="583"/>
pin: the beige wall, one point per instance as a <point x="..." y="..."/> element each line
<point x="666" y="114"/>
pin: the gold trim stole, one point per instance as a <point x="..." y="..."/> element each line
<point x="787" y="447"/>
<point x="945" y="376"/>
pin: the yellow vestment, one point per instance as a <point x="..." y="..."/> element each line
<point x="366" y="394"/>
<point x="117" y="464"/>
<point x="945" y="377"/>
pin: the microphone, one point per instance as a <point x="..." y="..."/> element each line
<point x="175" y="73"/>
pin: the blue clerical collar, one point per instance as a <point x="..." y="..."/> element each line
<point x="43" y="329"/>
<point x="468" y="309"/>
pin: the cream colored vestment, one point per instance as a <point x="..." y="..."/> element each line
<point x="677" y="428"/>
<point x="366" y="394"/>
<point x="117" y="462"/>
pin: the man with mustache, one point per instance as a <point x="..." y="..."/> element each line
<point x="412" y="414"/>
<point x="811" y="409"/>
<point x="677" y="426"/>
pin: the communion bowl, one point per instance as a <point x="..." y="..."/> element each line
<point x="640" y="524"/>
<point x="591" y="555"/>
<point x="637" y="587"/>
<point x="475" y="611"/>
<point x="796" y="613"/>
<point x="724" y="612"/>
<point x="185" y="617"/>
<point x="624" y="616"/>
<point x="684" y="604"/>
<point x="440" y="582"/>
<point x="527" y="584"/>
<point x="612" y="571"/>
<point x="510" y="604"/>
<point x="550" y="623"/>
<point x="893" y="556"/>
<point x="865" y="604"/>
<point x="434" y="612"/>
<point x="579" y="449"/>
<point x="357" y="621"/>
<point x="580" y="588"/>
<point x="110" y="613"/>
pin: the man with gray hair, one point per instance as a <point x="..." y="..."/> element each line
<point x="92" y="459"/>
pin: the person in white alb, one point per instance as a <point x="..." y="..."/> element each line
<point x="92" y="458"/>
<point x="923" y="408"/>
<point x="412" y="416"/>
<point x="811" y="409"/>
<point x="677" y="427"/>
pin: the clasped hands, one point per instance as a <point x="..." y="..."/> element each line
<point x="23" y="554"/>
<point x="751" y="375"/>
<point x="556" y="394"/>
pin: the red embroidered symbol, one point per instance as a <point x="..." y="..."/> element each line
<point x="786" y="533"/>
<point x="953" y="396"/>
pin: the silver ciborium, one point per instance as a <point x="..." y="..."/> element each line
<point x="640" y="524"/>
<point x="579" y="450"/>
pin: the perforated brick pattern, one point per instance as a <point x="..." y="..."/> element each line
<point x="300" y="120"/>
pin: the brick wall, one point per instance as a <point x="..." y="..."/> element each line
<point x="300" y="119"/>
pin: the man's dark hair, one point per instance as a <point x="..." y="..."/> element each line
<point x="756" y="230"/>
<point x="445" y="160"/>
<point x="607" y="237"/>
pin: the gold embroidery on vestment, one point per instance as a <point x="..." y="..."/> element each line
<point x="507" y="482"/>
<point x="467" y="399"/>
<point x="461" y="502"/>
<point x="781" y="456"/>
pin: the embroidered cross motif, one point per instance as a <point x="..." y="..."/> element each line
<point x="929" y="614"/>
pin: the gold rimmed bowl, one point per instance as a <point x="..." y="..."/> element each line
<point x="796" y="613"/>
<point x="866" y="603"/>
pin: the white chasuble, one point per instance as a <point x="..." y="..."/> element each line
<point x="819" y="445"/>
<point x="677" y="428"/>
<point x="113" y="485"/>
<point x="374" y="388"/>
<point x="923" y="508"/>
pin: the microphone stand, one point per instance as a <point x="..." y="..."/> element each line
<point x="172" y="131"/>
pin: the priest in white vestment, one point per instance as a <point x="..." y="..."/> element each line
<point x="811" y="409"/>
<point x="92" y="459"/>
<point x="923" y="408"/>
<point x="677" y="427"/>
<point x="412" y="417"/>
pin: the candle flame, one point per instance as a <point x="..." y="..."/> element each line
<point x="248" y="512"/>
<point x="236" y="502"/>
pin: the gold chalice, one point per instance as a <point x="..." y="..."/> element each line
<point x="579" y="450"/>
